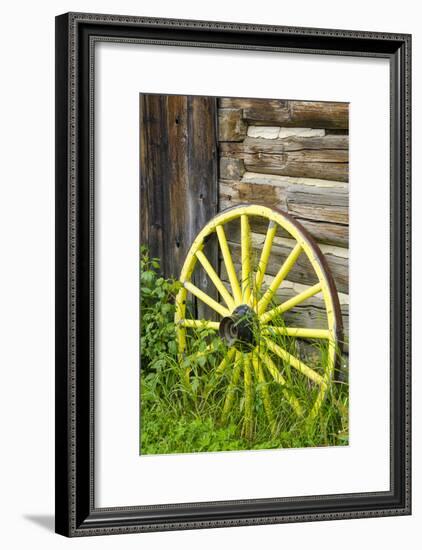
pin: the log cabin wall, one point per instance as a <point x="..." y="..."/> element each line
<point x="291" y="155"/>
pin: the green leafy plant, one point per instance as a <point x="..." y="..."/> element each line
<point x="182" y="398"/>
<point x="157" y="314"/>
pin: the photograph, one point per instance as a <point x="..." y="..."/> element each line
<point x="244" y="274"/>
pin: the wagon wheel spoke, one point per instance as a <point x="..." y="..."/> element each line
<point x="200" y="294"/>
<point x="279" y="278"/>
<point x="228" y="262"/>
<point x="279" y="378"/>
<point x="318" y="402"/>
<point x="300" y="366"/>
<point x="231" y="389"/>
<point x="215" y="279"/>
<point x="246" y="258"/>
<point x="247" y="378"/>
<point x="225" y="362"/>
<point x="219" y="371"/>
<point x="202" y="353"/>
<point x="271" y="367"/>
<point x="298" y="332"/>
<point x="265" y="255"/>
<point x="199" y="324"/>
<point x="289" y="304"/>
<point x="263" y="388"/>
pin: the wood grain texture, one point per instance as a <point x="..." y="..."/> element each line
<point x="328" y="233"/>
<point x="286" y="196"/>
<point x="323" y="164"/>
<point x="277" y="146"/>
<point x="306" y="114"/>
<point x="178" y="166"/>
<point x="231" y="125"/>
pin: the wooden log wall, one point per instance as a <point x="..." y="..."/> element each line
<point x="293" y="155"/>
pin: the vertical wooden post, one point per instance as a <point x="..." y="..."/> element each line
<point x="179" y="177"/>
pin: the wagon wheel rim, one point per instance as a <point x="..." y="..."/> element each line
<point x="257" y="361"/>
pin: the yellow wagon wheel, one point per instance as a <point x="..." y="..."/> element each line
<point x="250" y="321"/>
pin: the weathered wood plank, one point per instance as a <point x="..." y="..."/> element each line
<point x="329" y="233"/>
<point x="324" y="164"/>
<point x="231" y="126"/>
<point x="322" y="210"/>
<point x="272" y="179"/>
<point x="278" y="146"/>
<point x="284" y="194"/>
<point x="322" y="232"/>
<point x="326" y="156"/>
<point x="202" y="184"/>
<point x="333" y="214"/>
<point x="336" y="197"/>
<point x="151" y="170"/>
<point x="178" y="166"/>
<point x="318" y="204"/>
<point x="279" y="112"/>
<point x="178" y="228"/>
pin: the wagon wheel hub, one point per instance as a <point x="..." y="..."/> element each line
<point x="240" y="329"/>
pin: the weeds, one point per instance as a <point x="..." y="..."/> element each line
<point x="179" y="417"/>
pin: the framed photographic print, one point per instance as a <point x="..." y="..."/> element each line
<point x="232" y="274"/>
<point x="244" y="265"/>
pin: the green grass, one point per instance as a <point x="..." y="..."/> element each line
<point x="177" y="417"/>
<point x="175" y="420"/>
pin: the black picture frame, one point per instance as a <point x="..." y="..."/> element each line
<point x="76" y="513"/>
